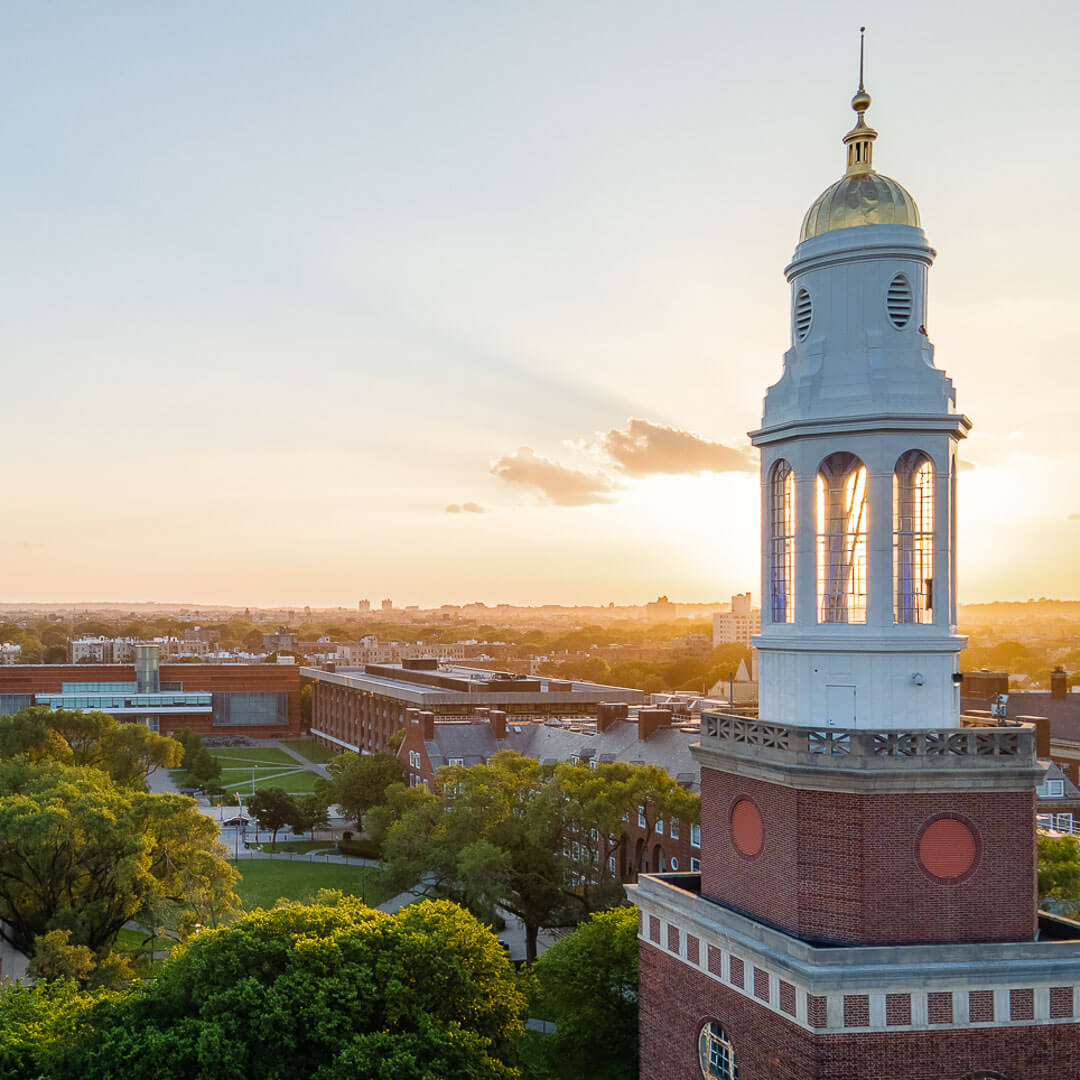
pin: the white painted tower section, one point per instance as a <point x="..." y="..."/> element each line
<point x="858" y="545"/>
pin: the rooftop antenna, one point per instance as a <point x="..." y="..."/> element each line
<point x="862" y="43"/>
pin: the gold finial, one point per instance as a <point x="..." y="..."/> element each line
<point x="860" y="139"/>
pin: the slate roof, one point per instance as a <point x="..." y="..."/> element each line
<point x="474" y="742"/>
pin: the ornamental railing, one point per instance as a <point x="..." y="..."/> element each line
<point x="963" y="742"/>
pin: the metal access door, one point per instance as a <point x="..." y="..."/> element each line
<point x="840" y="706"/>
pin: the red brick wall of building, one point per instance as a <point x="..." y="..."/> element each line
<point x="845" y="868"/>
<point x="49" y="679"/>
<point x="675" y="1001"/>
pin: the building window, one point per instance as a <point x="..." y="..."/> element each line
<point x="913" y="537"/>
<point x="1051" y="789"/>
<point x="593" y="763"/>
<point x="641" y="818"/>
<point x="695" y="836"/>
<point x="782" y="543"/>
<point x="695" y="865"/>
<point x="804" y="314"/>
<point x="453" y="760"/>
<point x="673" y="832"/>
<point x="659" y="826"/>
<point x="1064" y="823"/>
<point x="611" y="864"/>
<point x="716" y="1054"/>
<point x="841" y="539"/>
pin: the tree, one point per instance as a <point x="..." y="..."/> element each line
<point x="1059" y="873"/>
<point x="128" y="753"/>
<point x="359" y="781"/>
<point x="310" y="812"/>
<point x="274" y="809"/>
<point x="56" y="958"/>
<point x="498" y="839"/>
<point x="588" y="982"/>
<point x="81" y="854"/>
<point x="328" y="993"/>
<point x="39" y="1022"/>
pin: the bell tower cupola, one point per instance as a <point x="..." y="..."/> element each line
<point x="858" y="448"/>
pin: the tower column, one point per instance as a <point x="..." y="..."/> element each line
<point x="944" y="586"/>
<point x="805" y="550"/>
<point x="880" y="586"/>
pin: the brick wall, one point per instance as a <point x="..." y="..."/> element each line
<point x="49" y="679"/>
<point x="844" y="867"/>
<point x="676" y="1000"/>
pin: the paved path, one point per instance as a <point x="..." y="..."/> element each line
<point x="319" y="770"/>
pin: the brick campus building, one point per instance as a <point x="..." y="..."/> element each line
<point x="258" y="700"/>
<point x="358" y="709"/>
<point x="867" y="905"/>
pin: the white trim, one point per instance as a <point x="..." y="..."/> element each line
<point x="337" y="742"/>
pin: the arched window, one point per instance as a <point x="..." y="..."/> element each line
<point x="715" y="1053"/>
<point x="913" y="538"/>
<point x="841" y="539"/>
<point x="782" y="543"/>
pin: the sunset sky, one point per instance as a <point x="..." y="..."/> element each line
<point x="476" y="300"/>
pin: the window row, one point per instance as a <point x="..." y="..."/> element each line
<point x="841" y="539"/>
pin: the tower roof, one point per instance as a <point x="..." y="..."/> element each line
<point x="861" y="196"/>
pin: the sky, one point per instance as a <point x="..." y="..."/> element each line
<point x="470" y="301"/>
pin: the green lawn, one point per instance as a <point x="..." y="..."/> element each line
<point x="312" y="749"/>
<point x="264" y="881"/>
<point x="272" y="768"/>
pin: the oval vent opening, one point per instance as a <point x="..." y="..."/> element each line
<point x="898" y="301"/>
<point x="804" y="314"/>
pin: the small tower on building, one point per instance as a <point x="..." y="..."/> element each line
<point x="866" y="905"/>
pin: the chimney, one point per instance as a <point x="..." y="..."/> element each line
<point x="1042" y="733"/>
<point x="1059" y="684"/>
<point x="607" y="712"/>
<point x="427" y="721"/>
<point x="498" y="723"/>
<point x="648" y="720"/>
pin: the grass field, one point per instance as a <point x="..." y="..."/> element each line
<point x="312" y="749"/>
<point x="272" y="768"/>
<point x="264" y="881"/>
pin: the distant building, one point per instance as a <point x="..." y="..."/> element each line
<point x="360" y="709"/>
<point x="369" y="650"/>
<point x="660" y="608"/>
<point x="364" y="606"/>
<point x="387" y="605"/>
<point x="737" y="626"/>
<point x="281" y="639"/>
<point x="260" y="700"/>
<point x="9" y="653"/>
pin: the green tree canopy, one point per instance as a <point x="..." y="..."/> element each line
<point x="128" y="753"/>
<point x="358" y="782"/>
<point x="1059" y="872"/>
<point x="274" y="807"/>
<point x="588" y="982"/>
<point x="81" y="854"/>
<point x="317" y="993"/>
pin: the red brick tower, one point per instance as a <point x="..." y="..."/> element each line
<point x="866" y="906"/>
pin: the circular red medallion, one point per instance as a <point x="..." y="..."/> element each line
<point x="747" y="830"/>
<point x="947" y="849"/>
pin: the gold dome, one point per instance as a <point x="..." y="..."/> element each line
<point x="862" y="196"/>
<point x="866" y="198"/>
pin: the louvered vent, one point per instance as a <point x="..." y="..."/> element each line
<point x="898" y="301"/>
<point x="804" y="314"/>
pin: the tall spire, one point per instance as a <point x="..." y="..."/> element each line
<point x="860" y="139"/>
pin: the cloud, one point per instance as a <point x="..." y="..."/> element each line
<point x="557" y="484"/>
<point x="964" y="466"/>
<point x="466" y="508"/>
<point x="1073" y="517"/>
<point x="453" y="508"/>
<point x="645" y="449"/>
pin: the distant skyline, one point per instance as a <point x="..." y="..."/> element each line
<point x="477" y="302"/>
